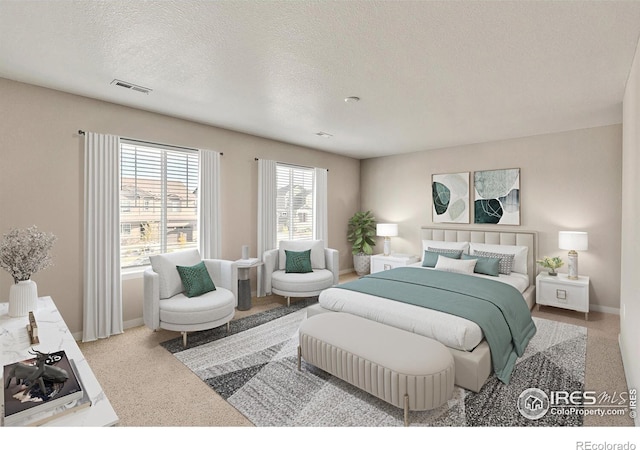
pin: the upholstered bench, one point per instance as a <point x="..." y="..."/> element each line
<point x="407" y="370"/>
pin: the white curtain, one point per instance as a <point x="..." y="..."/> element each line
<point x="267" y="213"/>
<point x="102" y="289"/>
<point x="209" y="204"/>
<point x="321" y="223"/>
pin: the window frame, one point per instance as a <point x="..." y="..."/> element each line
<point x="165" y="204"/>
<point x="292" y="214"/>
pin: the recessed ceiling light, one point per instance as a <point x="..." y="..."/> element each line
<point x="352" y="99"/>
<point x="323" y="134"/>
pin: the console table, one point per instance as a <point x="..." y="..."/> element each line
<point x="54" y="335"/>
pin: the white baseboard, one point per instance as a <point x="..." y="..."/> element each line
<point x="133" y="323"/>
<point x="128" y="324"/>
<point x="605" y="309"/>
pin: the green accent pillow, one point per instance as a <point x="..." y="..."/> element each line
<point x="485" y="265"/>
<point x="196" y="279"/>
<point x="297" y="262"/>
<point x="431" y="255"/>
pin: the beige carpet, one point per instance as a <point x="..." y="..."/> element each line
<point x="148" y="386"/>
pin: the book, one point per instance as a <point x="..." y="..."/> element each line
<point x="247" y="262"/>
<point x="41" y="418"/>
<point x="26" y="402"/>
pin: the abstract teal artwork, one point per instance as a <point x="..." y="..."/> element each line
<point x="497" y="196"/>
<point x="450" y="195"/>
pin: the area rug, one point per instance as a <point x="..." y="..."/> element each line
<point x="254" y="368"/>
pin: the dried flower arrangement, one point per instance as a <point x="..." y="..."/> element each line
<point x="24" y="252"/>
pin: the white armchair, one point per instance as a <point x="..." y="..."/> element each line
<point x="166" y="306"/>
<point x="324" y="262"/>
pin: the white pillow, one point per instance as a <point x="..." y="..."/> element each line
<point x="520" y="253"/>
<point x="165" y="266"/>
<point x="456" y="265"/>
<point x="317" y="252"/>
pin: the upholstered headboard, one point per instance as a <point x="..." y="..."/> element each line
<point x="527" y="238"/>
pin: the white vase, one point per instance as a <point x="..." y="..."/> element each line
<point x="23" y="297"/>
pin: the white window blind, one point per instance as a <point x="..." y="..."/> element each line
<point x="294" y="202"/>
<point x="158" y="201"/>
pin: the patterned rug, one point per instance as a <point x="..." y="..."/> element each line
<point x="254" y="368"/>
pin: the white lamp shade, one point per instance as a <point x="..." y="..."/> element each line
<point x="387" y="229"/>
<point x="573" y="240"/>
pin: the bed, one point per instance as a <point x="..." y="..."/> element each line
<point x="464" y="338"/>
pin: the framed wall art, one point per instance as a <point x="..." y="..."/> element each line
<point x="497" y="196"/>
<point x="450" y="194"/>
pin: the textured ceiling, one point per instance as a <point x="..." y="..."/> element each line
<point x="429" y="74"/>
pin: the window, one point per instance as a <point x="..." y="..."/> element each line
<point x="294" y="202"/>
<point x="158" y="201"/>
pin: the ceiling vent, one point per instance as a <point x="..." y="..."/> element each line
<point x="133" y="87"/>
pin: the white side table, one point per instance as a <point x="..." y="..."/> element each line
<point x="381" y="262"/>
<point x="244" y="284"/>
<point x="54" y="335"/>
<point x="563" y="292"/>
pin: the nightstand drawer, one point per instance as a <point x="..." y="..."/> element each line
<point x="563" y="295"/>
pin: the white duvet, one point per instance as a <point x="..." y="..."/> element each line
<point x="453" y="331"/>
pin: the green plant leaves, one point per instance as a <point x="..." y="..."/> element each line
<point x="361" y="232"/>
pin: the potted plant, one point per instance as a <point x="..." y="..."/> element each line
<point x="361" y="235"/>
<point x="551" y="263"/>
<point x="23" y="252"/>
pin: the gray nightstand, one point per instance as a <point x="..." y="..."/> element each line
<point x="562" y="292"/>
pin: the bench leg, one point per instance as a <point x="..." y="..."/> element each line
<point x="288" y="301"/>
<point x="406" y="410"/>
<point x="184" y="338"/>
<point x="299" y="357"/>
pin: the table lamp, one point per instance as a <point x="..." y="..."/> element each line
<point x="573" y="241"/>
<point x="387" y="230"/>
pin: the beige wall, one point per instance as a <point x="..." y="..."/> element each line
<point x="569" y="181"/>
<point x="41" y="181"/>
<point x="630" y="281"/>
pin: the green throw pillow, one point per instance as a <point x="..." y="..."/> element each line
<point x="297" y="262"/>
<point x="196" y="279"/>
<point x="485" y="265"/>
<point x="431" y="255"/>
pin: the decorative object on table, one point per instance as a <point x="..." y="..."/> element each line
<point x="39" y="384"/>
<point x="573" y="241"/>
<point x="361" y="233"/>
<point x="32" y="329"/>
<point x="497" y="196"/>
<point x="551" y="263"/>
<point x="387" y="230"/>
<point x="245" y="252"/>
<point x="23" y="252"/>
<point x="450" y="194"/>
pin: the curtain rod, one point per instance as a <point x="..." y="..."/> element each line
<point x="289" y="164"/>
<point x="82" y="132"/>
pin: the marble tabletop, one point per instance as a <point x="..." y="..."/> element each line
<point x="54" y="335"/>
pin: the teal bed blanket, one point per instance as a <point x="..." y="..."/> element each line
<point x="496" y="307"/>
